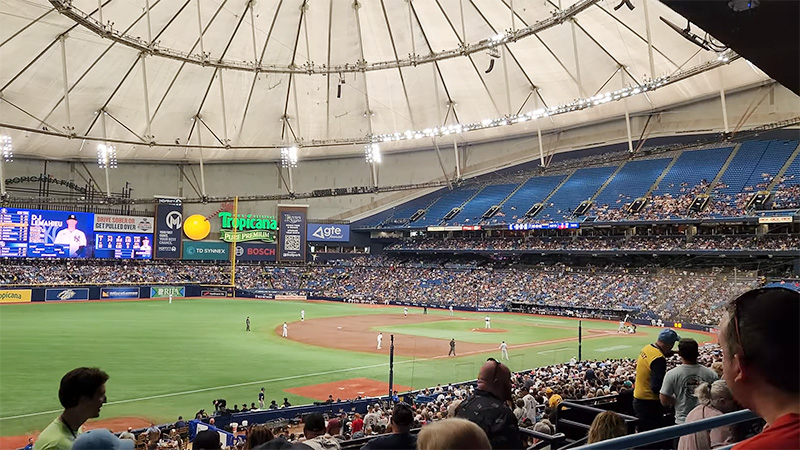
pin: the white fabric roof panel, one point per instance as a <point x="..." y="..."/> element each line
<point x="103" y="72"/>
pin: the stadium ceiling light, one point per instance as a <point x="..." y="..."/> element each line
<point x="106" y="156"/>
<point x="8" y="150"/>
<point x="372" y="153"/>
<point x="289" y="156"/>
<point x="576" y="105"/>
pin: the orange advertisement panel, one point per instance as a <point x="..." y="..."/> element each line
<point x="15" y="295"/>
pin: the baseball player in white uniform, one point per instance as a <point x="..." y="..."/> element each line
<point x="504" y="351"/>
<point x="170" y="298"/>
<point x="380" y="338"/>
<point x="71" y="236"/>
<point x="405" y="311"/>
<point x="488" y="323"/>
<point x="451" y="310"/>
<point x="285" y="330"/>
<point x="302" y="315"/>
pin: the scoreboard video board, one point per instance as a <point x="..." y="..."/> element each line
<point x="63" y="234"/>
<point x="123" y="245"/>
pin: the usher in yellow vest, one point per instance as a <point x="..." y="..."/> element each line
<point x="642" y="389"/>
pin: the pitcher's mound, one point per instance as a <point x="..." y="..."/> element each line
<point x="489" y="330"/>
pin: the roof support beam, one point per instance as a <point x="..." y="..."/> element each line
<point x="65" y="80"/>
<point x="147" y="133"/>
<point x="28" y="25"/>
<point x="649" y="39"/>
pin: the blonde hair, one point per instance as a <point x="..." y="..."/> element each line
<point x="607" y="425"/>
<point x="716" y="366"/>
<point x="711" y="394"/>
<point x="453" y="434"/>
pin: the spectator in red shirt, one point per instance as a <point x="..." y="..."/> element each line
<point x="357" y="424"/>
<point x="761" y="354"/>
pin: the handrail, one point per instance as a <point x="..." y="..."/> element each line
<point x="663" y="434"/>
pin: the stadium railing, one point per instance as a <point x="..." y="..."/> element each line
<point x="670" y="433"/>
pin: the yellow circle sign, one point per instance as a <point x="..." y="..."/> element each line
<point x="196" y="227"/>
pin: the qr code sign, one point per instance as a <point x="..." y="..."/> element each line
<point x="292" y="243"/>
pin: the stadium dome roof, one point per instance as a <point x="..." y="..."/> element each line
<point x="243" y="78"/>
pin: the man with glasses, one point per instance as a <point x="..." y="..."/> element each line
<point x="761" y="350"/>
<point x="488" y="408"/>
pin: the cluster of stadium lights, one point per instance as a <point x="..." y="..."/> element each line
<point x="575" y="105"/>
<point x="106" y="156"/>
<point x="8" y="151"/>
<point x="372" y="153"/>
<point x="289" y="157"/>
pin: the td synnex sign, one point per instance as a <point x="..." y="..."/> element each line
<point x="206" y="250"/>
<point x="319" y="232"/>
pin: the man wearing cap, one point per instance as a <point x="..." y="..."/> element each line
<point x="651" y="366"/>
<point x="102" y="439"/>
<point x="680" y="382"/>
<point x="401" y="437"/>
<point x="72" y="236"/>
<point x="487" y="406"/>
<point x="314" y="432"/>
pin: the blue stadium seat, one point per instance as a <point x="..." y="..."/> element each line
<point x="444" y="204"/>
<point x="531" y="192"/>
<point x="489" y="196"/>
<point x="631" y="182"/>
<point x="581" y="186"/>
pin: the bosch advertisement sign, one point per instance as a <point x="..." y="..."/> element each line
<point x="119" y="293"/>
<point x="255" y="252"/>
<point x="55" y="295"/>
<point x="319" y="232"/>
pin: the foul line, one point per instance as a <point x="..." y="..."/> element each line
<point x="294" y="377"/>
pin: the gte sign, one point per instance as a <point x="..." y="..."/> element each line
<point x="328" y="232"/>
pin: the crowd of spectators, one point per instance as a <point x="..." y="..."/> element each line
<point x="670" y="295"/>
<point x="641" y="243"/>
<point x="536" y="395"/>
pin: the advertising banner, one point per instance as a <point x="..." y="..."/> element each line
<point x="292" y="240"/>
<point x="166" y="291"/>
<point x="318" y="232"/>
<point x="775" y="219"/>
<point x="119" y="292"/>
<point x="169" y="219"/>
<point x="15" y="295"/>
<point x="255" y="252"/>
<point x="45" y="234"/>
<point x="216" y="292"/>
<point x="123" y="224"/>
<point x="250" y="227"/>
<point x="54" y="295"/>
<point x="216" y="251"/>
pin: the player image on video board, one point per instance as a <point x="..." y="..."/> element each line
<point x="123" y="245"/>
<point x="58" y="234"/>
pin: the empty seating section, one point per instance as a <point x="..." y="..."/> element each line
<point x="753" y="159"/>
<point x="581" y="186"/>
<point x="486" y="198"/>
<point x="631" y="182"/>
<point x="531" y="192"/>
<point x="775" y="156"/>
<point x="691" y="168"/>
<point x="406" y="210"/>
<point x="444" y="204"/>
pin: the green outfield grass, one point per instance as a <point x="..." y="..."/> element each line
<point x="169" y="360"/>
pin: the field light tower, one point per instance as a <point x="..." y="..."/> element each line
<point x="8" y="156"/>
<point x="289" y="162"/>
<point x="372" y="153"/>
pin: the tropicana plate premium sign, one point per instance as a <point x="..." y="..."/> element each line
<point x="251" y="227"/>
